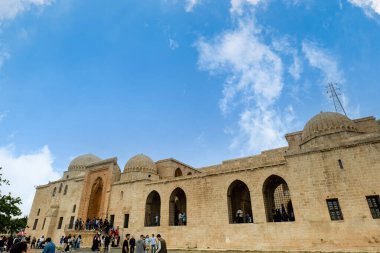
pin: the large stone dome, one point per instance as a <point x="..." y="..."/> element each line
<point x="80" y="162"/>
<point x="327" y="123"/>
<point x="140" y="163"/>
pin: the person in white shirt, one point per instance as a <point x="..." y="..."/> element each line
<point x="153" y="243"/>
<point x="161" y="245"/>
<point x="180" y="219"/>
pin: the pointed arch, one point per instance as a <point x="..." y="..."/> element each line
<point x="277" y="200"/>
<point x="239" y="203"/>
<point x="153" y="209"/>
<point x="95" y="198"/>
<point x="178" y="172"/>
<point x="177" y="206"/>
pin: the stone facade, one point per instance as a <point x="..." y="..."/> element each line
<point x="333" y="158"/>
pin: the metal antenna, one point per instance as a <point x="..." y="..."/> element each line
<point x="332" y="89"/>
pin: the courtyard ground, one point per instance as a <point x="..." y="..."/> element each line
<point x="118" y="250"/>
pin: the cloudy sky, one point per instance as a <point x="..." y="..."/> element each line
<point x="198" y="80"/>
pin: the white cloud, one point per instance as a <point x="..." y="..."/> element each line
<point x="4" y="55"/>
<point x="254" y="82"/>
<point x="26" y="171"/>
<point x="370" y="7"/>
<point x="173" y="44"/>
<point x="3" y="115"/>
<point x="295" y="68"/>
<point x="9" y="9"/>
<point x="324" y="61"/>
<point x="237" y="6"/>
<point x="190" y="4"/>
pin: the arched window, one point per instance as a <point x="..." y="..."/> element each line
<point x="121" y="195"/>
<point x="54" y="191"/>
<point x="178" y="172"/>
<point x="177" y="208"/>
<point x="38" y="212"/>
<point x="60" y="188"/>
<point x="278" y="204"/>
<point x="239" y="203"/>
<point x="74" y="208"/>
<point x="189" y="173"/>
<point x="153" y="209"/>
<point x="65" y="191"/>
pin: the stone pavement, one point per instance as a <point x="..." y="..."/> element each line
<point x="118" y="250"/>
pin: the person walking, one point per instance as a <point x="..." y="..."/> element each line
<point x="107" y="241"/>
<point x="125" y="248"/>
<point x="33" y="244"/>
<point x="161" y="247"/>
<point x="95" y="243"/>
<point x="132" y="244"/>
<point x="140" y="245"/>
<point x="79" y="240"/>
<point x="49" y="246"/>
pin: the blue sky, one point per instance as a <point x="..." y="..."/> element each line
<point x="198" y="80"/>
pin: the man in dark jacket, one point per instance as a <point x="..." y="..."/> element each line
<point x="107" y="243"/>
<point x="125" y="248"/>
<point x="132" y="244"/>
<point x="161" y="245"/>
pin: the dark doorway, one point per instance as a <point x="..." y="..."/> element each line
<point x="239" y="203"/>
<point x="153" y="209"/>
<point x="177" y="206"/>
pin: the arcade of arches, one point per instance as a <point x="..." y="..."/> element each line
<point x="277" y="201"/>
<point x="292" y="198"/>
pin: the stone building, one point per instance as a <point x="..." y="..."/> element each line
<point x="320" y="193"/>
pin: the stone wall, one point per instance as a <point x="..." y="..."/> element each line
<point x="311" y="170"/>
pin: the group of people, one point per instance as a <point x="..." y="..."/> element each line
<point x="103" y="242"/>
<point x="93" y="224"/>
<point x="6" y="243"/>
<point x="240" y="217"/>
<point x="22" y="246"/>
<point x="144" y="244"/>
<point x="69" y="243"/>
<point x="280" y="215"/>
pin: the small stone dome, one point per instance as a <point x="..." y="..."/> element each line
<point x="80" y="162"/>
<point x="141" y="163"/>
<point x="327" y="123"/>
